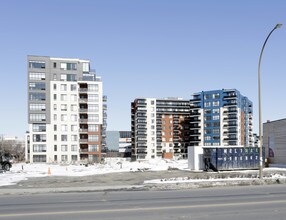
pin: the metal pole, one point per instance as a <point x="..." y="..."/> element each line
<point x="259" y="105"/>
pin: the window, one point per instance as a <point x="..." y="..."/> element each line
<point x="73" y="87"/>
<point x="68" y="66"/>
<point x="152" y="102"/>
<point x="216" y="124"/>
<point x="64" y="128"/>
<point x="55" y="147"/>
<point x="55" y="65"/>
<point x="55" y="76"/>
<point x="73" y="117"/>
<point x="55" y="127"/>
<point x="93" y="108"/>
<point x="216" y="131"/>
<point x="93" y="87"/>
<point x="37" y="64"/>
<point x="37" y="117"/>
<point x="207" y="96"/>
<point x="64" y="107"/>
<point x="37" y="76"/>
<point x="208" y="111"/>
<point x="93" y="118"/>
<point x="216" y="96"/>
<point x="93" y="148"/>
<point x="208" y="131"/>
<point x="73" y="127"/>
<point x="55" y="86"/>
<point x="215" y="111"/>
<point x="39" y="138"/>
<point x="85" y="67"/>
<point x="73" y="107"/>
<point x="207" y="138"/>
<point x="34" y="96"/>
<point x="55" y="137"/>
<point x="55" y="117"/>
<point x="92" y="127"/>
<point x="64" y="137"/>
<point x="63" y="87"/>
<point x="63" y="97"/>
<point x="64" y="158"/>
<point x="73" y="97"/>
<point x="74" y="138"/>
<point x="39" y="158"/>
<point x="37" y="107"/>
<point x="39" y="127"/>
<point x="37" y="86"/>
<point x="64" y="148"/>
<point x="73" y="147"/>
<point x="216" y="103"/>
<point x="216" y="117"/>
<point x="207" y="104"/>
<point x="71" y="77"/>
<point x="93" y="138"/>
<point x="93" y="97"/>
<point x="55" y="107"/>
<point x="64" y="117"/>
<point x="207" y="118"/>
<point x="55" y="97"/>
<point x="63" y="77"/>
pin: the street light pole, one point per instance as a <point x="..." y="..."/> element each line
<point x="259" y="105"/>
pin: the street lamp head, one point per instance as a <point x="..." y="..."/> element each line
<point x="278" y="26"/>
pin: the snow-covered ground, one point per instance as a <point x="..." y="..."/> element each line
<point x="22" y="171"/>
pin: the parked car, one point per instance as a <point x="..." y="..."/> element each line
<point x="5" y="162"/>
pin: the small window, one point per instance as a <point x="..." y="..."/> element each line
<point x="55" y="65"/>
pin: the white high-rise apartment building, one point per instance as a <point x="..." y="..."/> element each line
<point x="66" y="111"/>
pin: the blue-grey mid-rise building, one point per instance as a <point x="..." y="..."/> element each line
<point x="220" y="118"/>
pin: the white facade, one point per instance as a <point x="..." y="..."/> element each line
<point x="56" y="137"/>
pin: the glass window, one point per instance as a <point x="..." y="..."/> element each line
<point x="63" y="97"/>
<point x="64" y="158"/>
<point x="71" y="77"/>
<point x="93" y="97"/>
<point x="64" y="137"/>
<point x="39" y="127"/>
<point x="39" y="148"/>
<point x="64" y="117"/>
<point x="92" y="147"/>
<point x="85" y="67"/>
<point x="63" y="87"/>
<point x="93" y="108"/>
<point x="64" y="107"/>
<point x="73" y="127"/>
<point x="93" y="117"/>
<point x="73" y="147"/>
<point x="73" y="87"/>
<point x="37" y="86"/>
<point x="37" y="76"/>
<point x="93" y="138"/>
<point x="92" y="127"/>
<point x="37" y="64"/>
<point x="216" y="96"/>
<point x="64" y="147"/>
<point x="93" y="87"/>
<point x="63" y="77"/>
<point x="207" y="104"/>
<point x="35" y="96"/>
<point x="39" y="158"/>
<point x="216" y="117"/>
<point x="74" y="138"/>
<point x="73" y="97"/>
<point x="39" y="138"/>
<point x="73" y="117"/>
<point x="64" y="128"/>
<point x="216" y="103"/>
<point x="215" y="111"/>
<point x="55" y="86"/>
<point x="73" y="107"/>
<point x="37" y="117"/>
<point x="37" y="107"/>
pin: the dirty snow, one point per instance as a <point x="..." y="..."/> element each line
<point x="22" y="171"/>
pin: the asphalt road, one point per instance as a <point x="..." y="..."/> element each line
<point x="246" y="202"/>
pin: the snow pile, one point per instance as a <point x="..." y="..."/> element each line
<point x="22" y="171"/>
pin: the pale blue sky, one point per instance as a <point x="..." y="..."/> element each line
<point x="146" y="48"/>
